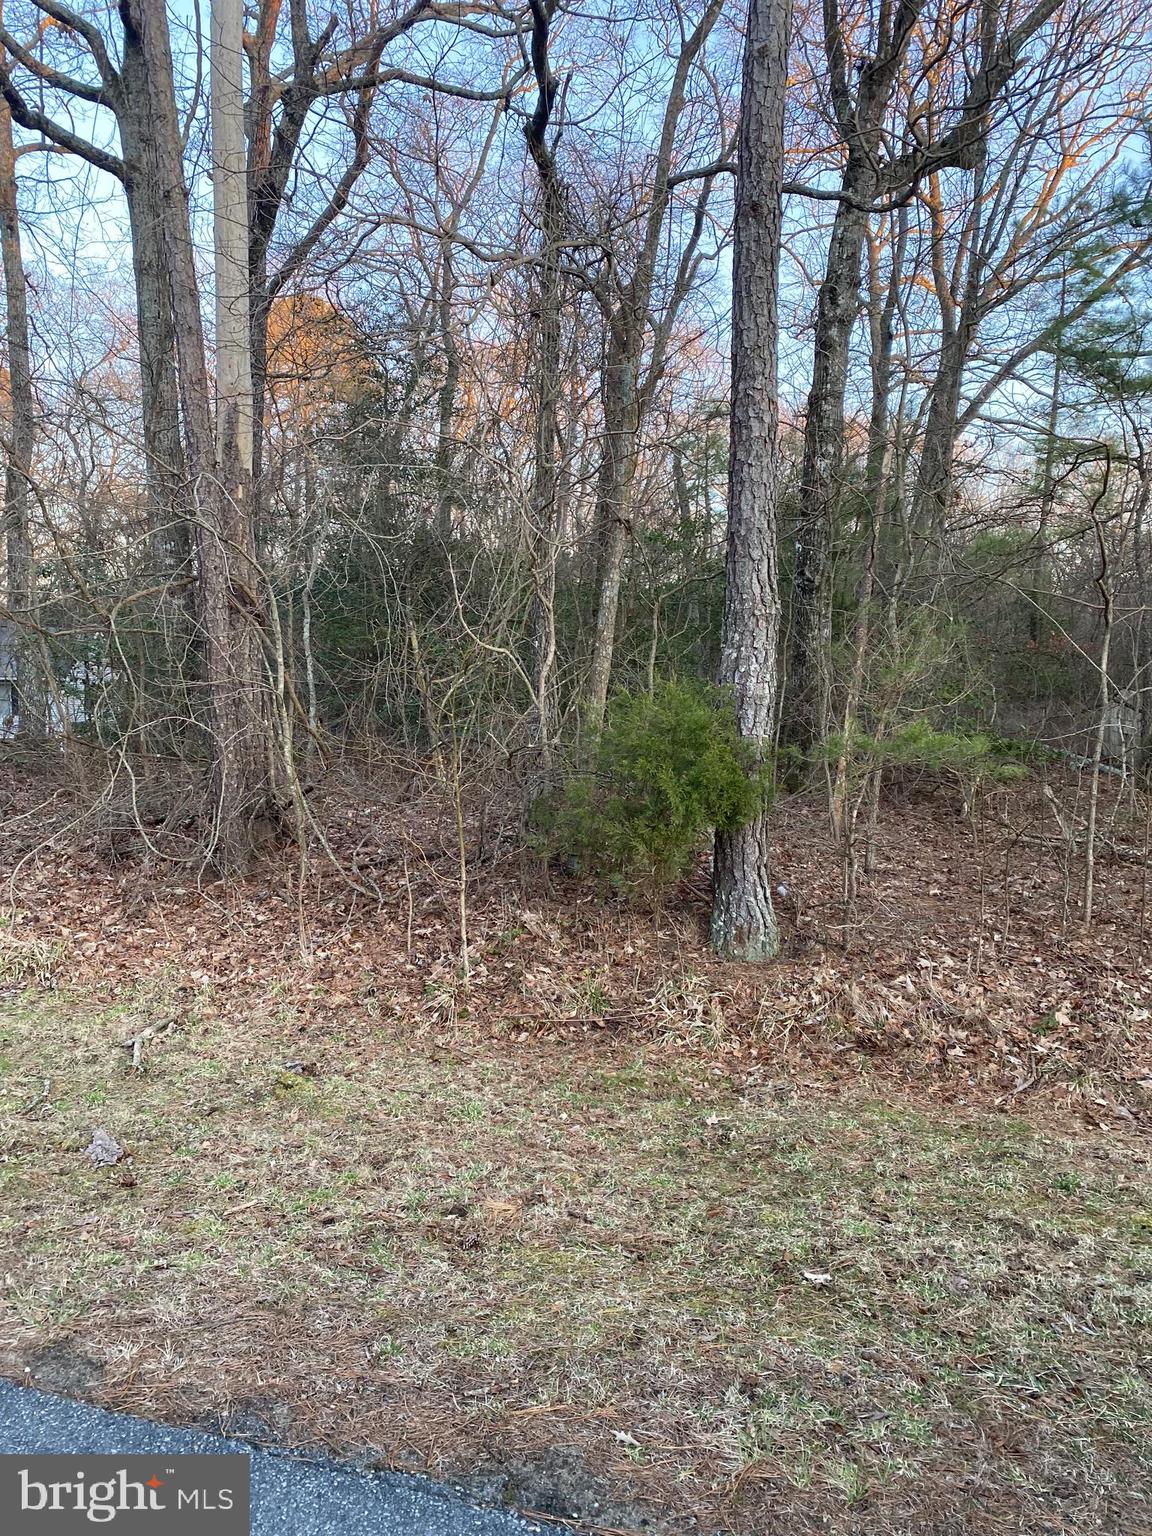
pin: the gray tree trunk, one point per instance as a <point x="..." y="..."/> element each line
<point x="542" y="531"/>
<point x="807" y="686"/>
<point x="744" y="924"/>
<point x="230" y="240"/>
<point x="159" y="390"/>
<point x="19" y="576"/>
<point x="230" y="605"/>
<point x="613" y="509"/>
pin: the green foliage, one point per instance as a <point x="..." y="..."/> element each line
<point x="999" y="546"/>
<point x="965" y="758"/>
<point x="670" y="768"/>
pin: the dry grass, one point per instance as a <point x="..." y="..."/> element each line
<point x="609" y="1282"/>
<point x="26" y="959"/>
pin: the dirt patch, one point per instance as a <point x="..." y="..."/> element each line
<point x="558" y="1485"/>
<point x="63" y="1367"/>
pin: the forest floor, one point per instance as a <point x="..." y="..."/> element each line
<point x="613" y="1230"/>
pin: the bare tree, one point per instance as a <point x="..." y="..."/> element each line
<point x="867" y="75"/>
<point x="542" y="505"/>
<point x="625" y="299"/>
<point x="122" y="89"/>
<point x="19" y="580"/>
<point x="243" y="797"/>
<point x="999" y="240"/>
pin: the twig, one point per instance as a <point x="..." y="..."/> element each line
<point x="135" y="1043"/>
<point x="40" y="1100"/>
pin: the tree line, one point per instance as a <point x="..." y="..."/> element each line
<point x="436" y="376"/>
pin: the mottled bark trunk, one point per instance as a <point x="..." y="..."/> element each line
<point x="169" y="659"/>
<point x="744" y="924"/>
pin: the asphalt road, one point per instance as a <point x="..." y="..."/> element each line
<point x="290" y="1497"/>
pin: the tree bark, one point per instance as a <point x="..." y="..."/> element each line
<point x="807" y="688"/>
<point x="159" y="391"/>
<point x="230" y="240"/>
<point x="542" y="529"/>
<point x="613" y="510"/>
<point x="31" y="694"/>
<point x="744" y="924"/>
<point x="230" y="608"/>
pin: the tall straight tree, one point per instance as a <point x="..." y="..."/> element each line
<point x="743" y="922"/>
<point x="122" y="88"/>
<point x="230" y="603"/>
<point x="230" y="231"/>
<point x="542" y="516"/>
<point x="17" y="541"/>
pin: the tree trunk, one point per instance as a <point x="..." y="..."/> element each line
<point x="542" y="531"/>
<point x="31" y="694"/>
<point x="159" y="390"/>
<point x="446" y="403"/>
<point x="229" y="604"/>
<point x="230" y="238"/>
<point x="807" y="685"/>
<point x="613" y="511"/>
<point x="743" y="922"/>
<point x="171" y="663"/>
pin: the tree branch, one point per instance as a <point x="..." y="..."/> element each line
<point x="91" y="35"/>
<point x="37" y="122"/>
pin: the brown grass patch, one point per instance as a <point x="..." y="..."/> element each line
<point x="611" y="1282"/>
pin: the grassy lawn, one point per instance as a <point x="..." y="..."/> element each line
<point x="611" y="1285"/>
